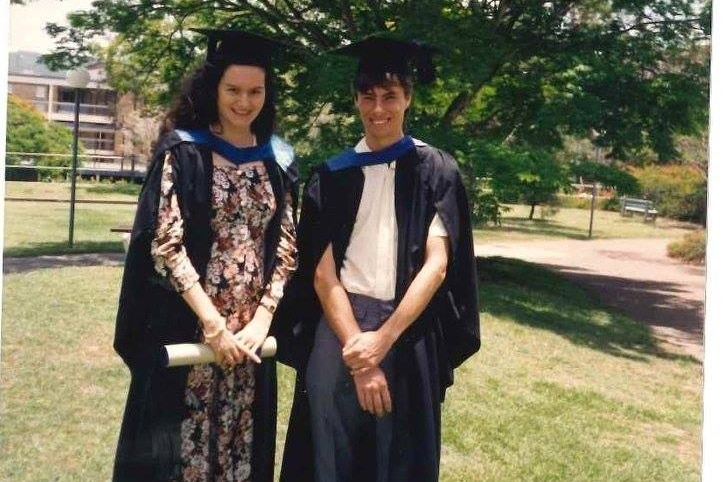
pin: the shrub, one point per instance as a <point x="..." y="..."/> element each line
<point x="583" y="202"/>
<point x="678" y="191"/>
<point x="485" y="208"/>
<point x="690" y="249"/>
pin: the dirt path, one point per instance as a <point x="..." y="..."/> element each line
<point x="634" y="276"/>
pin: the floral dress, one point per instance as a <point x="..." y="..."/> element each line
<point x="217" y="433"/>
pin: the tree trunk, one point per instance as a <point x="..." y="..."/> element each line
<point x="532" y="211"/>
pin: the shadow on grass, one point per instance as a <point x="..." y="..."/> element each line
<point x="534" y="296"/>
<point x="545" y="227"/>
<point x="652" y="302"/>
<point x="61" y="247"/>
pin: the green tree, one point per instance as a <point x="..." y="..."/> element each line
<point x="29" y="131"/>
<point x="531" y="176"/>
<point x="610" y="176"/>
<point x="511" y="73"/>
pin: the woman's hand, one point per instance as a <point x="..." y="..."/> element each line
<point x="253" y="335"/>
<point x="225" y="347"/>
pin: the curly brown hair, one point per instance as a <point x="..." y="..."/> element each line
<point x="196" y="107"/>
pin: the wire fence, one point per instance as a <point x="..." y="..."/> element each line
<point x="38" y="214"/>
<point x="33" y="166"/>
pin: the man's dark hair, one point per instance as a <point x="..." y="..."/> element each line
<point x="366" y="81"/>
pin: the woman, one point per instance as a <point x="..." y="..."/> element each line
<point x="212" y="246"/>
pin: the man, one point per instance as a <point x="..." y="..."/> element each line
<point x="386" y="290"/>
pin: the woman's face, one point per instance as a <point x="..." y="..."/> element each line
<point x="241" y="95"/>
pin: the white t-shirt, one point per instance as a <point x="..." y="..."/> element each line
<point x="370" y="264"/>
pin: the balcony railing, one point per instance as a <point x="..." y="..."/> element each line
<point x="41" y="105"/>
<point x="68" y="108"/>
<point x="87" y="109"/>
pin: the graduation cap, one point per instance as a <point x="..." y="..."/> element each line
<point x="239" y="47"/>
<point x="379" y="55"/>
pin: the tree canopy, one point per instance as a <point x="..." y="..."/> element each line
<point x="512" y="73"/>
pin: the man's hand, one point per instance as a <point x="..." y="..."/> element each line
<point x="373" y="392"/>
<point x="366" y="350"/>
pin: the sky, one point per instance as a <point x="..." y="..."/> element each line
<point x="27" y="22"/>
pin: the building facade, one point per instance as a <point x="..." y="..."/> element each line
<point x="49" y="92"/>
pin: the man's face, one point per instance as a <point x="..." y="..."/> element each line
<point x="381" y="109"/>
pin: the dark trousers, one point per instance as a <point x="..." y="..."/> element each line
<point x="349" y="444"/>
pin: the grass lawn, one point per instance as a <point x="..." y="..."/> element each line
<point x="117" y="191"/>
<point x="36" y="228"/>
<point x="574" y="224"/>
<point x="562" y="390"/>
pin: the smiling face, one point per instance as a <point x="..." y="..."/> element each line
<point x="382" y="109"/>
<point x="241" y="96"/>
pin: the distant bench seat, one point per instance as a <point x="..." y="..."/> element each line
<point x="629" y="206"/>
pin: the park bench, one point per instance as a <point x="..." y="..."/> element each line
<point x="125" y="230"/>
<point x="629" y="206"/>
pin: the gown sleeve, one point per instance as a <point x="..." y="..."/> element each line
<point x="286" y="259"/>
<point x="462" y="327"/>
<point x="167" y="249"/>
<point x="298" y="310"/>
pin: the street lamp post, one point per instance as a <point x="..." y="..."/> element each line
<point x="594" y="135"/>
<point x="594" y="193"/>
<point x="77" y="79"/>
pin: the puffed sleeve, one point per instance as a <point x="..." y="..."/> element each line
<point x="167" y="249"/>
<point x="436" y="228"/>
<point x="286" y="259"/>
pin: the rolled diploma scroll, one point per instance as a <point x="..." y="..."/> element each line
<point x="198" y="353"/>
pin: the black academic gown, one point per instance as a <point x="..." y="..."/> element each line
<point x="151" y="313"/>
<point x="427" y="181"/>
